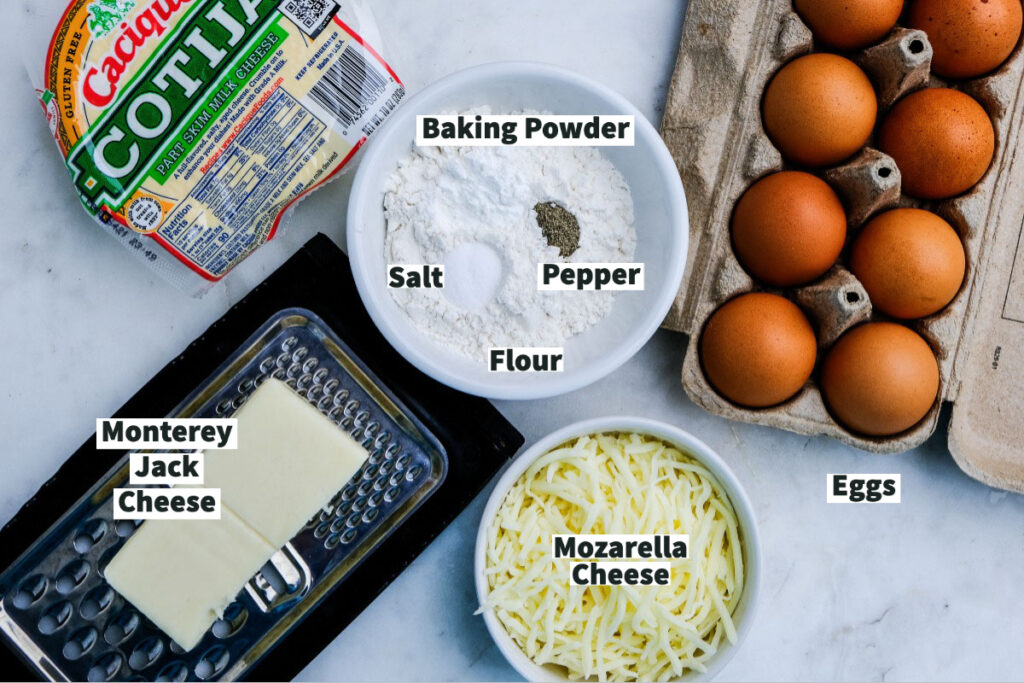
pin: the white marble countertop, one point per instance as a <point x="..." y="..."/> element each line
<point x="926" y="590"/>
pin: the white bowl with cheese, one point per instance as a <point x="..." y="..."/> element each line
<point x="742" y="614"/>
<point x="660" y="219"/>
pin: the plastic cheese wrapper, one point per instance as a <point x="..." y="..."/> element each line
<point x="189" y="127"/>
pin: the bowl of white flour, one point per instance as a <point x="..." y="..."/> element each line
<point x="492" y="214"/>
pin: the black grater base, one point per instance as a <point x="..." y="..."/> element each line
<point x="476" y="438"/>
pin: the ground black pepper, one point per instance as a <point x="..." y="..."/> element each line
<point x="560" y="227"/>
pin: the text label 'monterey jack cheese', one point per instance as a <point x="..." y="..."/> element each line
<point x="190" y="126"/>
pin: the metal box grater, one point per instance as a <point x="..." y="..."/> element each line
<point x="57" y="610"/>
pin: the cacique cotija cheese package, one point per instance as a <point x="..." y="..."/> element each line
<point x="190" y="126"/>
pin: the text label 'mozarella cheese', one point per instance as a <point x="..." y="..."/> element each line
<point x="599" y="547"/>
<point x="621" y="574"/>
<point x="620" y="546"/>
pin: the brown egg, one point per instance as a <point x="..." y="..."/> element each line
<point x="819" y="109"/>
<point x="788" y="228"/>
<point x="910" y="261"/>
<point x="942" y="141"/>
<point x="969" y="37"/>
<point x="849" y="25"/>
<point x="758" y="350"/>
<point x="880" y="379"/>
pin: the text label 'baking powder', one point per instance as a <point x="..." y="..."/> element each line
<point x="524" y="130"/>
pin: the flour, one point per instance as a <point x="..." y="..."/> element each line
<point x="472" y="209"/>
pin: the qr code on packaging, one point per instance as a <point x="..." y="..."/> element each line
<point x="312" y="16"/>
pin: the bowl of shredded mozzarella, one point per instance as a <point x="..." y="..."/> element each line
<point x="621" y="476"/>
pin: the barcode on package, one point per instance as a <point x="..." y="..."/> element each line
<point x="350" y="87"/>
<point x="312" y="16"/>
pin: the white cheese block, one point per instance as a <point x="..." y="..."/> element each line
<point x="291" y="460"/>
<point x="182" y="574"/>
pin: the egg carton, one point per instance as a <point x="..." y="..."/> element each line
<point x="729" y="52"/>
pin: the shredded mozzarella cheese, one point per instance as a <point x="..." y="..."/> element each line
<point x="616" y="484"/>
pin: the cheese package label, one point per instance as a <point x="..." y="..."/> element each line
<point x="190" y="126"/>
<point x="290" y="461"/>
<point x="183" y="574"/>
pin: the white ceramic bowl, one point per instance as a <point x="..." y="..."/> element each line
<point x="659" y="205"/>
<point x="687" y="443"/>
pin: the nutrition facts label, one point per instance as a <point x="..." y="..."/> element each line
<point x="258" y="167"/>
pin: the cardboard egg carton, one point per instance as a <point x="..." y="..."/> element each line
<point x="729" y="52"/>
